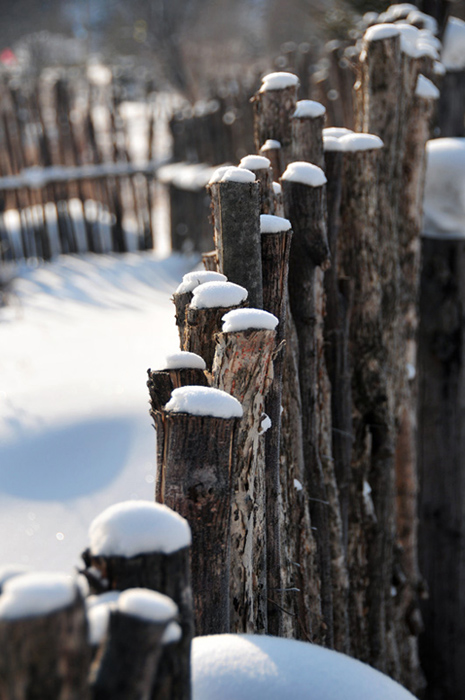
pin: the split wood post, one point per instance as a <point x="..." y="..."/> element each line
<point x="260" y="166"/>
<point x="126" y="664"/>
<point x="304" y="204"/>
<point x="184" y="292"/>
<point x="271" y="149"/>
<point x="274" y="104"/>
<point x="210" y="302"/>
<point x="157" y="558"/>
<point x="197" y="461"/>
<point x="44" y="652"/>
<point x="243" y="367"/>
<point x="236" y="218"/>
<point x="276" y="236"/>
<point x="307" y="124"/>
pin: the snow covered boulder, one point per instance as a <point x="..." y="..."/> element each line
<point x="444" y="197"/>
<point x="255" y="667"/>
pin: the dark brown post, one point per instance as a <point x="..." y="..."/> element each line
<point x="183" y="294"/>
<point x="243" y="367"/>
<point x="126" y="665"/>
<point x="271" y="149"/>
<point x="307" y="125"/>
<point x="236" y="218"/>
<point x="44" y="651"/>
<point x="197" y="463"/>
<point x="304" y="204"/>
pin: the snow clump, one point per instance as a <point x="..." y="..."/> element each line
<point x="213" y="295"/>
<point x="309" y="109"/>
<point x="172" y="634"/>
<point x="147" y="605"/>
<point x="232" y="174"/>
<point x="305" y="173"/>
<point x="31" y="595"/>
<point x="380" y="31"/>
<point x="426" y="89"/>
<point x="245" y="319"/>
<point x="137" y="527"/>
<point x="204" y="401"/>
<point x="273" y="224"/>
<point x="183" y="360"/>
<point x="253" y="162"/>
<point x="191" y="280"/>
<point x="453" y="55"/>
<point x="444" y="195"/>
<point x="270" y="145"/>
<point x="278" y="81"/>
<point x="360" y="142"/>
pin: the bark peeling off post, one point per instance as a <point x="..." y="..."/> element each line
<point x="197" y="462"/>
<point x="273" y="110"/>
<point x="304" y="207"/>
<point x="243" y="367"/>
<point x="47" y="656"/>
<point x="236" y="218"/>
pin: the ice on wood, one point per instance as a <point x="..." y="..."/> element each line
<point x="380" y="31"/>
<point x="232" y="174"/>
<point x="278" y="81"/>
<point x="444" y="196"/>
<point x="253" y="162"/>
<point x="213" y="295"/>
<point x="245" y="319"/>
<point x="426" y="89"/>
<point x="172" y="634"/>
<point x="204" y="401"/>
<point x="147" y="605"/>
<point x="305" y="173"/>
<point x="138" y="527"/>
<point x="192" y="280"/>
<point x="183" y="360"/>
<point x="453" y="54"/>
<point x="270" y="145"/>
<point x="259" y="667"/>
<point x="309" y="109"/>
<point x="360" y="142"/>
<point x="273" y="224"/>
<point x="31" y="595"/>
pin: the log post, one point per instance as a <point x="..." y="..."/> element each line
<point x="126" y="665"/>
<point x="236" y="217"/>
<point x="307" y="125"/>
<point x="243" y="367"/>
<point x="210" y="302"/>
<point x="44" y="651"/>
<point x="184" y="292"/>
<point x="137" y="544"/>
<point x="304" y="201"/>
<point x="261" y="167"/>
<point x="271" y="149"/>
<point x="274" y="104"/>
<point x="198" y="452"/>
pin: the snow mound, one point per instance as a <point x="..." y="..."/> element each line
<point x="332" y="143"/>
<point x="399" y="10"/>
<point x="360" y="142"/>
<point x="192" y="280"/>
<point x="204" y="401"/>
<point x="138" y="527"/>
<point x="252" y="162"/>
<point x="147" y="605"/>
<point x="244" y="319"/>
<point x="273" y="224"/>
<point x="31" y="595"/>
<point x="257" y="667"/>
<point x="9" y="571"/>
<point x="309" y="109"/>
<point x="444" y="196"/>
<point x="212" y="295"/>
<point x="453" y="55"/>
<point x="336" y="131"/>
<point x="418" y="18"/>
<point x="277" y="189"/>
<point x="270" y="144"/>
<point x="426" y="89"/>
<point x="172" y="634"/>
<point x="380" y="31"/>
<point x="278" y="81"/>
<point x="232" y="174"/>
<point x="305" y="173"/>
<point x="183" y="360"/>
<point x="439" y="68"/>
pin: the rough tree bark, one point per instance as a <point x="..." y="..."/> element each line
<point x="273" y="110"/>
<point x="202" y="326"/>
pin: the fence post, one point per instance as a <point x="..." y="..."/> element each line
<point x="261" y="167"/>
<point x="183" y="294"/>
<point x="307" y="126"/>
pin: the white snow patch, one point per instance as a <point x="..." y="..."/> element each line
<point x="278" y="81"/>
<point x="331" y="143"/>
<point x="232" y="174"/>
<point x="380" y="31"/>
<point x="183" y="360"/>
<point x="259" y="667"/>
<point x="360" y="142"/>
<point x="192" y="280"/>
<point x="399" y="10"/>
<point x="147" y="605"/>
<point x="172" y="634"/>
<point x="453" y="54"/>
<point x="98" y="609"/>
<point x="427" y="22"/>
<point x="305" y="173"/>
<point x="245" y="319"/>
<point x="273" y="224"/>
<point x="265" y="424"/>
<point x="439" y="68"/>
<point x="426" y="89"/>
<point x="36" y="594"/>
<point x="309" y="109"/>
<point x="218" y="174"/>
<point x="444" y="195"/>
<point x="10" y="571"/>
<point x="277" y="189"/>
<point x="271" y="145"/>
<point x="204" y="401"/>
<point x="297" y="485"/>
<point x="252" y="162"/>
<point x="138" y="527"/>
<point x="218" y="294"/>
<point x="336" y="131"/>
<point x="411" y="371"/>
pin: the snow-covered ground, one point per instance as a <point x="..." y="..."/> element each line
<point x="75" y="432"/>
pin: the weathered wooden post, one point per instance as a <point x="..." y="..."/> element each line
<point x="271" y="149"/>
<point x="197" y="462"/>
<point x="261" y="167"/>
<point x="243" y="367"/>
<point x="183" y="294"/>
<point x="137" y="544"/>
<point x="307" y="126"/>
<point x="126" y="665"/>
<point x="236" y="217"/>
<point x="44" y="651"/>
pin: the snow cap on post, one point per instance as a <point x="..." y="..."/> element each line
<point x="278" y="81"/>
<point x="192" y="280"/>
<point x="246" y="319"/>
<point x="253" y="162"/>
<point x="453" y="54"/>
<point x="379" y="32"/>
<point x="204" y="401"/>
<point x="270" y="145"/>
<point x="232" y="174"/>
<point x="147" y="605"/>
<point x="444" y="201"/>
<point x="309" y="109"/>
<point x="360" y="142"/>
<point x="35" y="594"/>
<point x="426" y="89"/>
<point x="138" y="527"/>
<point x="183" y="360"/>
<point x="274" y="224"/>
<point x="218" y="294"/>
<point x="305" y="173"/>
